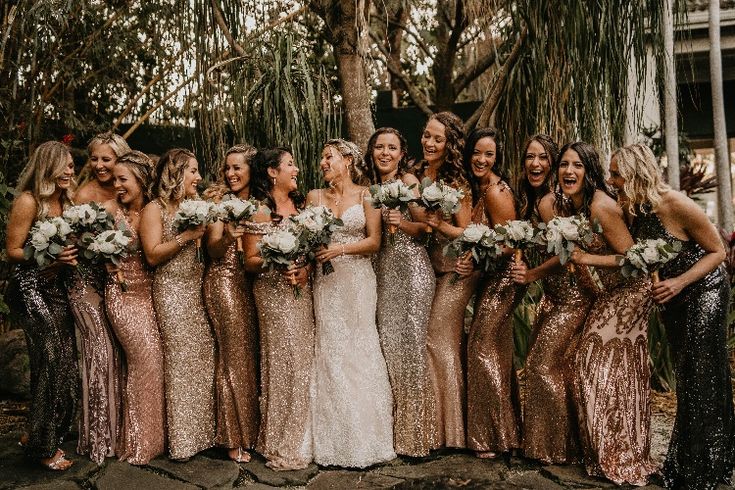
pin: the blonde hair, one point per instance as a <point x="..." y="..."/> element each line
<point x="142" y="168"/>
<point x="218" y="189"/>
<point x="350" y="149"/>
<point x="46" y="164"/>
<point x="643" y="182"/>
<point x="169" y="185"/>
<point x="116" y="142"/>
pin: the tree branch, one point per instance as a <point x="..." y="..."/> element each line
<point x="474" y="71"/>
<point x="219" y="18"/>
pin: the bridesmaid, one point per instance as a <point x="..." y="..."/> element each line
<point x="611" y="372"/>
<point x="550" y="429"/>
<point x="696" y="292"/>
<point x="133" y="320"/>
<point x="442" y="142"/>
<point x="188" y="345"/>
<point x="286" y="323"/>
<point x="228" y="296"/>
<point x="37" y="298"/>
<point x="405" y="289"/>
<point x="493" y="406"/>
<point x="101" y="368"/>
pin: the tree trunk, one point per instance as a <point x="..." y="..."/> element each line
<point x="355" y="98"/>
<point x="722" y="155"/>
<point x="671" y="128"/>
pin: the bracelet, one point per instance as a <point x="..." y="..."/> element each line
<point x="179" y="241"/>
<point x="343" y="250"/>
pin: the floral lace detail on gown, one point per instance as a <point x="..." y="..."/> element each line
<point x="351" y="395"/>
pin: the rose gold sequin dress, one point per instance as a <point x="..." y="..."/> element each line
<point x="446" y="343"/>
<point x="493" y="405"/>
<point x="406" y="285"/>
<point x="188" y="347"/>
<point x="228" y="296"/>
<point x="100" y="365"/>
<point x="286" y="328"/>
<point x="612" y="381"/>
<point x="133" y="320"/>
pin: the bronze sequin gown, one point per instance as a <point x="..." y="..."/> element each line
<point x="286" y="328"/>
<point x="188" y="349"/>
<point x="101" y="366"/>
<point x="228" y="296"/>
<point x="133" y="320"/>
<point x="40" y="307"/>
<point x="550" y="426"/>
<point x="702" y="449"/>
<point x="405" y="289"/>
<point x="493" y="404"/>
<point x="611" y="378"/>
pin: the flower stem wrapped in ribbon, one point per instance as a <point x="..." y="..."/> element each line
<point x="282" y="249"/>
<point x="235" y="210"/>
<point x="193" y="213"/>
<point x="481" y="242"/>
<point x="647" y="257"/>
<point x="437" y="196"/>
<point x="47" y="240"/>
<point x="392" y="195"/>
<point x="316" y="224"/>
<point x="562" y="235"/>
<point x="518" y="235"/>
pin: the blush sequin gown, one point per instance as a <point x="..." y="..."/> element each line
<point x="286" y="325"/>
<point x="406" y="285"/>
<point x="188" y="348"/>
<point x="40" y="307"/>
<point x="701" y="454"/>
<point x="352" y="403"/>
<point x="100" y="364"/>
<point x="612" y="380"/>
<point x="228" y="296"/>
<point x="133" y="320"/>
<point x="493" y="401"/>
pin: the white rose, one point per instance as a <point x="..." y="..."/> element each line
<point x="650" y="255"/>
<point x="39" y="241"/>
<point x="569" y="230"/>
<point x="47" y="229"/>
<point x="62" y="227"/>
<point x="432" y="193"/>
<point x="474" y="233"/>
<point x="312" y="225"/>
<point x="106" y="247"/>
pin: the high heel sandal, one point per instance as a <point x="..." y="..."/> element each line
<point x="58" y="462"/>
<point x="242" y="456"/>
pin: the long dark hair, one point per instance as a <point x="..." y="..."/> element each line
<point x="452" y="171"/>
<point x="370" y="170"/>
<point x="469" y="147"/>
<point x="529" y="196"/>
<point x="594" y="179"/>
<point x="261" y="185"/>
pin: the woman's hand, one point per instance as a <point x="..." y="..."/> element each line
<point x="233" y="231"/>
<point x="519" y="273"/>
<point x="392" y="217"/>
<point x="329" y="252"/>
<point x="111" y="268"/>
<point x="434" y="219"/>
<point x="464" y="266"/>
<point x="191" y="234"/>
<point x="664" y="291"/>
<point x="579" y="257"/>
<point x="297" y="277"/>
<point x="68" y="256"/>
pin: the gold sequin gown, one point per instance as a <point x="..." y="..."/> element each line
<point x="493" y="405"/>
<point x="100" y="364"/>
<point x="446" y="343"/>
<point x="406" y="285"/>
<point x="188" y="347"/>
<point x="550" y="426"/>
<point x="131" y="315"/>
<point x="228" y="296"/>
<point x="611" y="378"/>
<point x="286" y="328"/>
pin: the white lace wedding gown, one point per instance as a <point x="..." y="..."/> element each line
<point x="352" y="404"/>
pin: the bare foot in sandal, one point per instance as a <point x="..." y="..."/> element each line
<point x="238" y="455"/>
<point x="57" y="462"/>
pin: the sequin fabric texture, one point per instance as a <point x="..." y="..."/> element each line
<point x="702" y="449"/>
<point x="286" y="326"/>
<point x="133" y="320"/>
<point x="612" y="379"/>
<point x="41" y="309"/>
<point x="188" y="347"/>
<point x="406" y="285"/>
<point x="228" y="296"/>
<point x="100" y="366"/>
<point x="352" y="402"/>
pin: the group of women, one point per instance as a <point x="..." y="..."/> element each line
<point x="374" y="359"/>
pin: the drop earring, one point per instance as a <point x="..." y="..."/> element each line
<point x="274" y="181"/>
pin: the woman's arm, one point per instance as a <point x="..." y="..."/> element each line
<point x="414" y="227"/>
<point x="253" y="261"/>
<point x="610" y="216"/>
<point x="155" y="249"/>
<point x="220" y="236"/>
<point x="367" y="246"/>
<point x="20" y="222"/>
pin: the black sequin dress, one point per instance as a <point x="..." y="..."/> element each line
<point x="702" y="449"/>
<point x="40" y="307"/>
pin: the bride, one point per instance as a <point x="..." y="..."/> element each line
<point x="351" y="396"/>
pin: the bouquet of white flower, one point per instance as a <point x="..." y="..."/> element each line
<point x="517" y="234"/>
<point x="233" y="209"/>
<point x="562" y="234"/>
<point x="88" y="218"/>
<point x="48" y="239"/>
<point x="647" y="257"/>
<point x="193" y="213"/>
<point x="480" y="241"/>
<point x="315" y="225"/>
<point x="392" y="195"/>
<point x="111" y="246"/>
<point x="282" y="249"/>
<point x="437" y="196"/>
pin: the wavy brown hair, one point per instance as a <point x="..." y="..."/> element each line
<point x="528" y="196"/>
<point x="452" y="170"/>
<point x="169" y="184"/>
<point x="142" y="168"/>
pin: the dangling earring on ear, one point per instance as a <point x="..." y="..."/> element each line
<point x="274" y="181"/>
